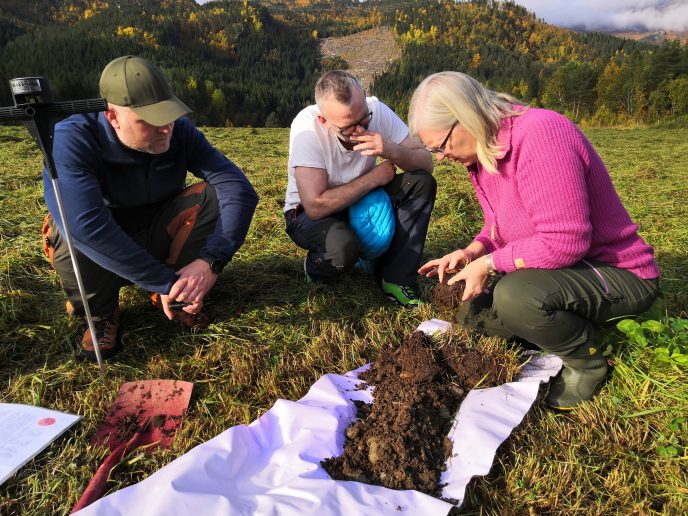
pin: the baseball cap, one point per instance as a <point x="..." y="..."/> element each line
<point x="134" y="82"/>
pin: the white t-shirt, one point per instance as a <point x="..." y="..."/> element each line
<point x="312" y="145"/>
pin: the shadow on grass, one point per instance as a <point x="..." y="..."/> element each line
<point x="33" y="324"/>
<point x="267" y="291"/>
<point x="674" y="269"/>
<point x="262" y="292"/>
<point x="277" y="285"/>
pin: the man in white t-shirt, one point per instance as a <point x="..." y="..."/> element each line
<point x="333" y="149"/>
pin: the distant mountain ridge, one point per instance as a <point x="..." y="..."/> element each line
<point x="654" y="37"/>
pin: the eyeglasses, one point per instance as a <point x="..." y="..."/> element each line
<point x="440" y="149"/>
<point x="350" y="129"/>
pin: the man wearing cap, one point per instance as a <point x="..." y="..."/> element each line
<point x="333" y="148"/>
<point x="122" y="175"/>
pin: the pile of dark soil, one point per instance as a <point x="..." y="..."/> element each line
<point x="401" y="440"/>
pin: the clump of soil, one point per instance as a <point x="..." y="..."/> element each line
<point x="128" y="425"/>
<point x="447" y="298"/>
<point x="401" y="440"/>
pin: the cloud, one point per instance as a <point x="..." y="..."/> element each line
<point x="613" y="14"/>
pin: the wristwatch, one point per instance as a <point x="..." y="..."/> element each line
<point x="216" y="265"/>
<point x="489" y="266"/>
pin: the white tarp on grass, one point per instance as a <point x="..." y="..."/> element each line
<point x="272" y="466"/>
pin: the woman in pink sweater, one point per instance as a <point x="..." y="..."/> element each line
<point x="558" y="249"/>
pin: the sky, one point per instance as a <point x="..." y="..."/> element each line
<point x="650" y="15"/>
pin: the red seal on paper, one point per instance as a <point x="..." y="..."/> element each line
<point x="46" y="421"/>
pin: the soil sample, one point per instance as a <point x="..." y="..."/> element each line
<point x="447" y="298"/>
<point x="401" y="440"/>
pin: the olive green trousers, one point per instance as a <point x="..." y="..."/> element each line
<point x="559" y="310"/>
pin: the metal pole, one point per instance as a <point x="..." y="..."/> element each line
<point x="75" y="265"/>
<point x="33" y="106"/>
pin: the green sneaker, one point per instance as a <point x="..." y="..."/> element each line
<point x="404" y="295"/>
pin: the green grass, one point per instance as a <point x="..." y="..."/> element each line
<point x="273" y="336"/>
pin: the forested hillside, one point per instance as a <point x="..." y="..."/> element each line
<point x="585" y="75"/>
<point x="255" y="63"/>
<point x="232" y="62"/>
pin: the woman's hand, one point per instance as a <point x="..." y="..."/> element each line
<point x="475" y="276"/>
<point x="448" y="264"/>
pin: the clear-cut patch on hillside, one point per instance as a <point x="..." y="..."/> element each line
<point x="368" y="53"/>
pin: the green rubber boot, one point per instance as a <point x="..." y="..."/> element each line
<point x="578" y="381"/>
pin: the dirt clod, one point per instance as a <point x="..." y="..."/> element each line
<point x="447" y="298"/>
<point x="128" y="425"/>
<point x="400" y="441"/>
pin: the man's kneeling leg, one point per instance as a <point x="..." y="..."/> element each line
<point x="333" y="247"/>
<point x="100" y="285"/>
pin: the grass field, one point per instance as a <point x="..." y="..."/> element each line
<point x="273" y="336"/>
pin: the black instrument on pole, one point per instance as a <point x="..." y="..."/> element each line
<point x="34" y="107"/>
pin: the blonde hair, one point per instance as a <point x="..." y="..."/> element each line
<point x="447" y="97"/>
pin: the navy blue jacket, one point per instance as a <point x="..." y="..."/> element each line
<point x="106" y="186"/>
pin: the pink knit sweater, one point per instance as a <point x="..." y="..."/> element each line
<point x="553" y="203"/>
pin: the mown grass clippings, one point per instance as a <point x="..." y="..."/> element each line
<point x="273" y="335"/>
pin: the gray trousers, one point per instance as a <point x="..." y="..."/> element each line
<point x="334" y="248"/>
<point x="175" y="235"/>
<point x="559" y="310"/>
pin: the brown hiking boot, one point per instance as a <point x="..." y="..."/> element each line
<point x="107" y="330"/>
<point x="193" y="321"/>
